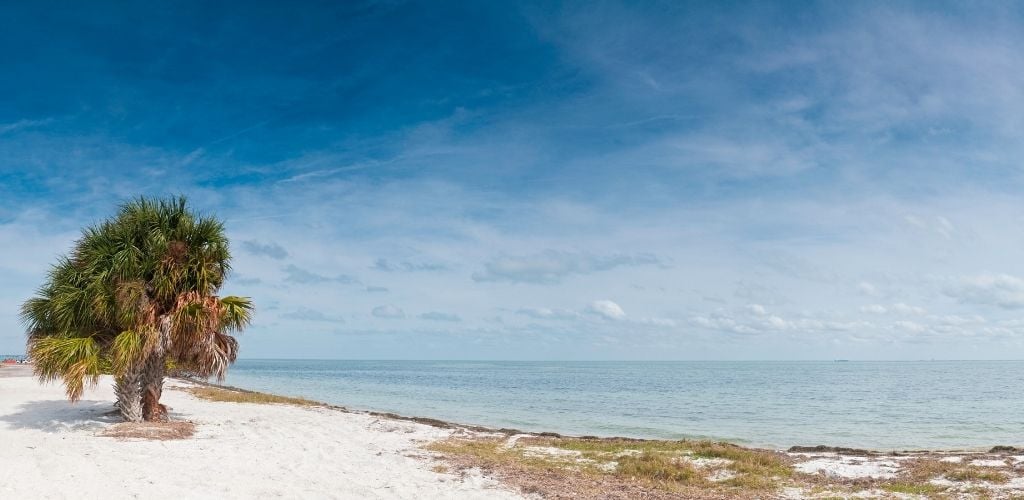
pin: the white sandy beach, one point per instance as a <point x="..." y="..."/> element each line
<point x="56" y="449"/>
<point x="52" y="449"/>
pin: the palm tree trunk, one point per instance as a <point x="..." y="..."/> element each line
<point x="153" y="375"/>
<point x="128" y="388"/>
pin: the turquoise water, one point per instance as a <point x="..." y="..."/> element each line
<point x="879" y="405"/>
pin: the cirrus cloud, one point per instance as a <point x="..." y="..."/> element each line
<point x="550" y="267"/>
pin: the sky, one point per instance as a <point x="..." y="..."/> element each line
<point x="540" y="180"/>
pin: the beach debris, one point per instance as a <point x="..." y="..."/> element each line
<point x="1005" y="449"/>
<point x="151" y="431"/>
<point x="829" y="449"/>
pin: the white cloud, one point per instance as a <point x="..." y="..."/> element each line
<point x="910" y="326"/>
<point x="897" y="308"/>
<point x="776" y="322"/>
<point x="901" y="308"/>
<point x="938" y="225"/>
<point x="606" y="309"/>
<point x="662" y="322"/>
<point x="1002" y="290"/>
<point x="547" y="313"/>
<point x="866" y="288"/>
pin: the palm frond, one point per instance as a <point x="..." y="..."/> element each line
<point x="74" y="360"/>
<point x="236" y="313"/>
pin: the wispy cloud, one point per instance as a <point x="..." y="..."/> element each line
<point x="297" y="275"/>
<point x="440" y="316"/>
<point x="388" y="312"/>
<point x="551" y="266"/>
<point x="272" y="250"/>
<point x="385" y="265"/>
<point x="306" y="314"/>
<point x="25" y="124"/>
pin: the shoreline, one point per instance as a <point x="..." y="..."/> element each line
<point x="24" y="370"/>
<point x="796" y="448"/>
<point x="329" y="450"/>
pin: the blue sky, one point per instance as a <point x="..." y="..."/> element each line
<point x="593" y="180"/>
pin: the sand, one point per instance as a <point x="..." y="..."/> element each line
<point x="53" y="449"/>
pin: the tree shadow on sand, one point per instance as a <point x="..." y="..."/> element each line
<point x="62" y="416"/>
<point x="65" y="416"/>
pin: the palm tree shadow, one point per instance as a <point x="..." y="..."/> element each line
<point x="65" y="416"/>
<point x="62" y="416"/>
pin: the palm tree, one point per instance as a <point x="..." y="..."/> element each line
<point x="138" y="291"/>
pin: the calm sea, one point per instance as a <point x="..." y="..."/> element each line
<point x="879" y="405"/>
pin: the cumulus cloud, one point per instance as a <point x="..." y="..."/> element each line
<point x="1002" y="290"/>
<point x="606" y="309"/>
<point x="552" y="266"/>
<point x="295" y="274"/>
<point x="388" y="312"/>
<point x="440" y="316"/>
<point x="272" y="250"/>
<point x="406" y="267"/>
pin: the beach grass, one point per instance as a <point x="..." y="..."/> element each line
<point x="923" y="470"/>
<point x="695" y="469"/>
<point x="221" y="394"/>
<point x="561" y="467"/>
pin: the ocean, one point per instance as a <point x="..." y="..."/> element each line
<point x="877" y="405"/>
